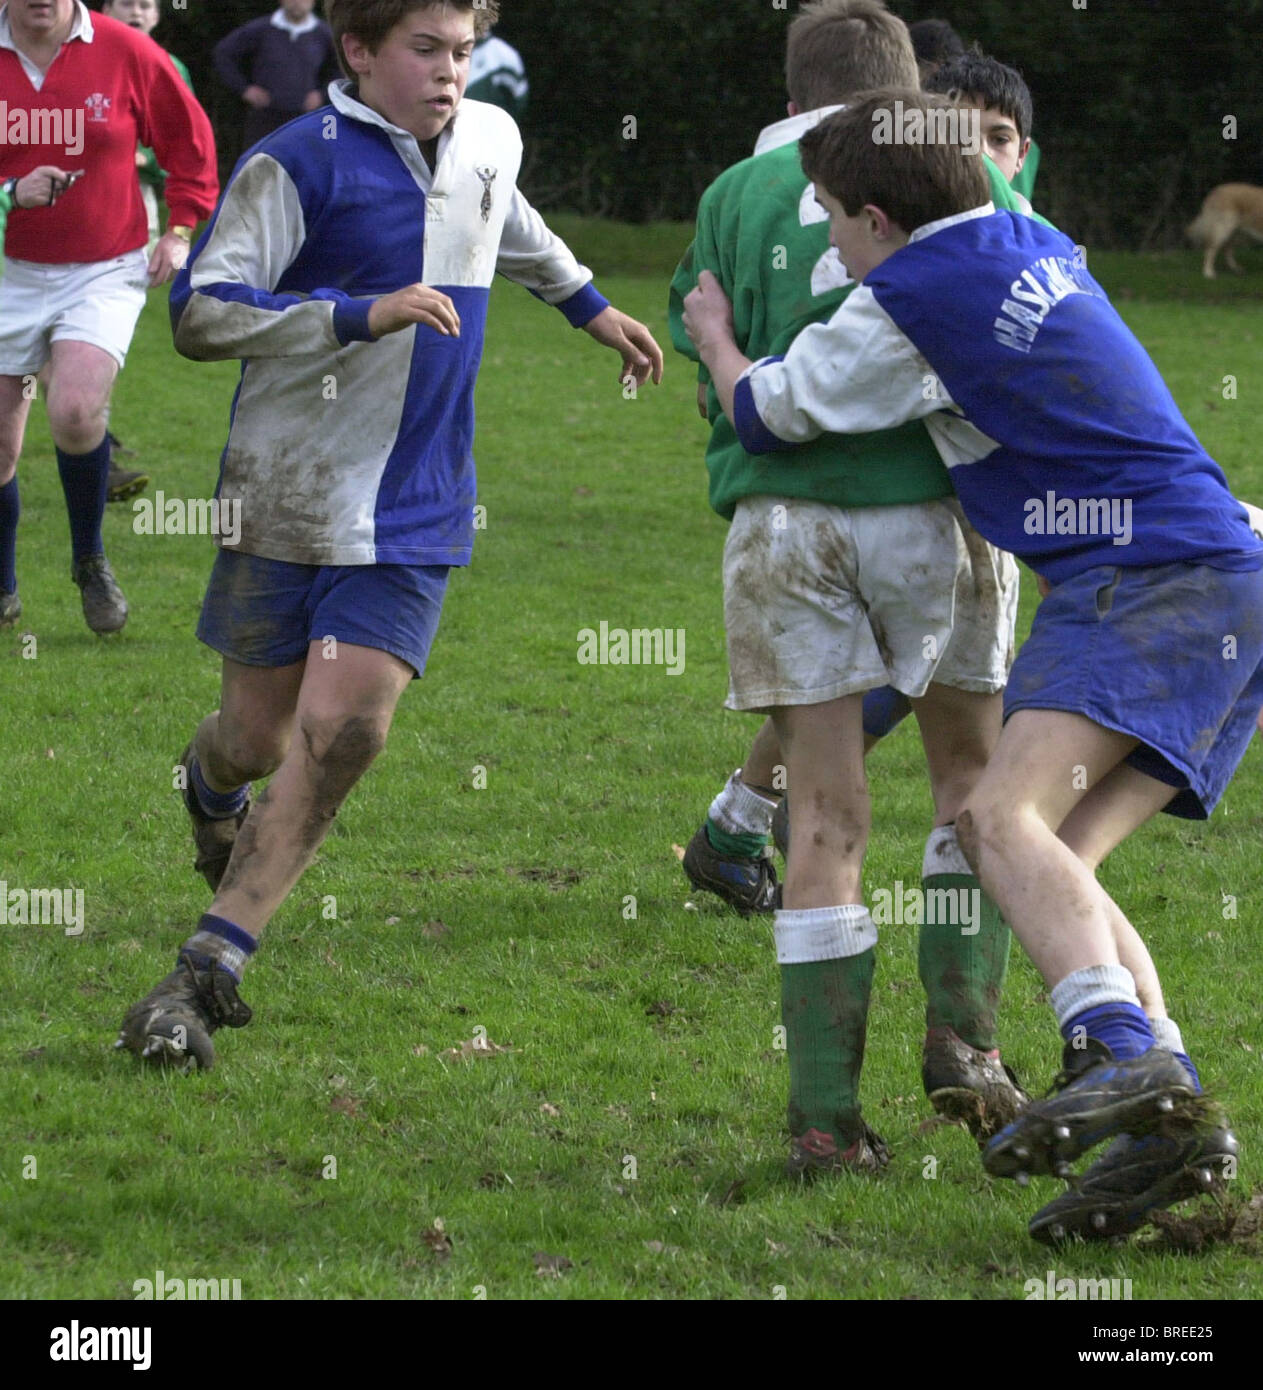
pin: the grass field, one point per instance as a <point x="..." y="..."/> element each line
<point x="628" y="1141"/>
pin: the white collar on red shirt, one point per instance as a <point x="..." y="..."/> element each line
<point x="294" y="28"/>
<point x="81" y="28"/>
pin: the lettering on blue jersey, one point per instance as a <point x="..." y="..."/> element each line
<point x="1033" y="295"/>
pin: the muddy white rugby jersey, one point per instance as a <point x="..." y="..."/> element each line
<point x="341" y="450"/>
<point x="1061" y="438"/>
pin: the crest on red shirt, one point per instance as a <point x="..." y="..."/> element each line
<point x="98" y="105"/>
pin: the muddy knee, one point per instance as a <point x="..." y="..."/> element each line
<point x="342" y="750"/>
<point x="968" y="838"/>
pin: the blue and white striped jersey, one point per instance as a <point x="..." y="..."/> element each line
<point x="342" y="450"/>
<point x="1062" y="440"/>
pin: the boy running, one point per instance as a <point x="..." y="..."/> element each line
<point x="356" y="246"/>
<point x="1143" y="675"/>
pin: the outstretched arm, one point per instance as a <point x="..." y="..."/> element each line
<point x="635" y="344"/>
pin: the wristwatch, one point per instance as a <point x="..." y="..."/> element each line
<point x="184" y="233"/>
<point x="10" y="189"/>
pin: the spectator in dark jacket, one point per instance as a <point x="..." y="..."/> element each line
<point x="278" y="66"/>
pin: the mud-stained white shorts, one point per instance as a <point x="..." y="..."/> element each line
<point x="97" y="302"/>
<point x="821" y="602"/>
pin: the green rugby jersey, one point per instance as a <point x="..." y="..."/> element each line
<point x="764" y="237"/>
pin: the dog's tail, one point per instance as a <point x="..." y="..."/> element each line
<point x="1198" y="230"/>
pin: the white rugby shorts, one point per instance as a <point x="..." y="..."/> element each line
<point x="822" y="601"/>
<point x="97" y="302"/>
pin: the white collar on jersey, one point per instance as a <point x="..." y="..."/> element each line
<point x="404" y="141"/>
<point x="783" y="132"/>
<point x="294" y="27"/>
<point x="929" y="228"/>
<point x="80" y="29"/>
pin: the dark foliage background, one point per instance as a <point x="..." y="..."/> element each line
<point x="1130" y="97"/>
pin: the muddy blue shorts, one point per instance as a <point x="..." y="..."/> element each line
<point x="1171" y="654"/>
<point x="265" y="612"/>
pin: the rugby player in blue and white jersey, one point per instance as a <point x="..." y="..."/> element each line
<point x="349" y="266"/>
<point x="1139" y="686"/>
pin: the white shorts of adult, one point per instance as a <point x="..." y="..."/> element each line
<point x="822" y="602"/>
<point x="97" y="302"/>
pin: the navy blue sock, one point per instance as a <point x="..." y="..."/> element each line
<point x="1123" y="1028"/>
<point x="85" y="481"/>
<point x="883" y="710"/>
<point x="217" y="805"/>
<point x="10" y="510"/>
<point x="217" y="942"/>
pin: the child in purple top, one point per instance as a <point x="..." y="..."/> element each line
<point x="278" y="65"/>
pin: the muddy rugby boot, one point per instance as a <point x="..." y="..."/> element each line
<point x="1095" y="1097"/>
<point x="1136" y="1176"/>
<point x="749" y="885"/>
<point x="173" y="1023"/>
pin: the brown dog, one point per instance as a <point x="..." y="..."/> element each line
<point x="1227" y="209"/>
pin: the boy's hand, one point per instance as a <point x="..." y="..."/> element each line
<point x="256" y="96"/>
<point x="707" y="313"/>
<point x="414" y="304"/>
<point x="641" y="355"/>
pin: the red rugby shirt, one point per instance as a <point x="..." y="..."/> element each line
<point x="118" y="91"/>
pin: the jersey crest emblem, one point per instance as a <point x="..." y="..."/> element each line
<point x="98" y="105"/>
<point x="487" y="173"/>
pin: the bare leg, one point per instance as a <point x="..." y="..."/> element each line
<point x="829" y="804"/>
<point x="14" y="408"/>
<point x="247" y="737"/>
<point x="764" y="768"/>
<point x="80" y="380"/>
<point x="1121" y="802"/>
<point x="959" y="731"/>
<point x="1049" y="897"/>
<point x="343" y="715"/>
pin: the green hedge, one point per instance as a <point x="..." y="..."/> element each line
<point x="1130" y="98"/>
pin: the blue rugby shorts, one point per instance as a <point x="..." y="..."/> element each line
<point x="1170" y="654"/>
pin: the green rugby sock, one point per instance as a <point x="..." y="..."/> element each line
<point x="824" y="1007"/>
<point x="963" y="974"/>
<point x="740" y="846"/>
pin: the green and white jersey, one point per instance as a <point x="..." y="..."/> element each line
<point x="762" y="234"/>
<point x="498" y="75"/>
<point x="1024" y="179"/>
